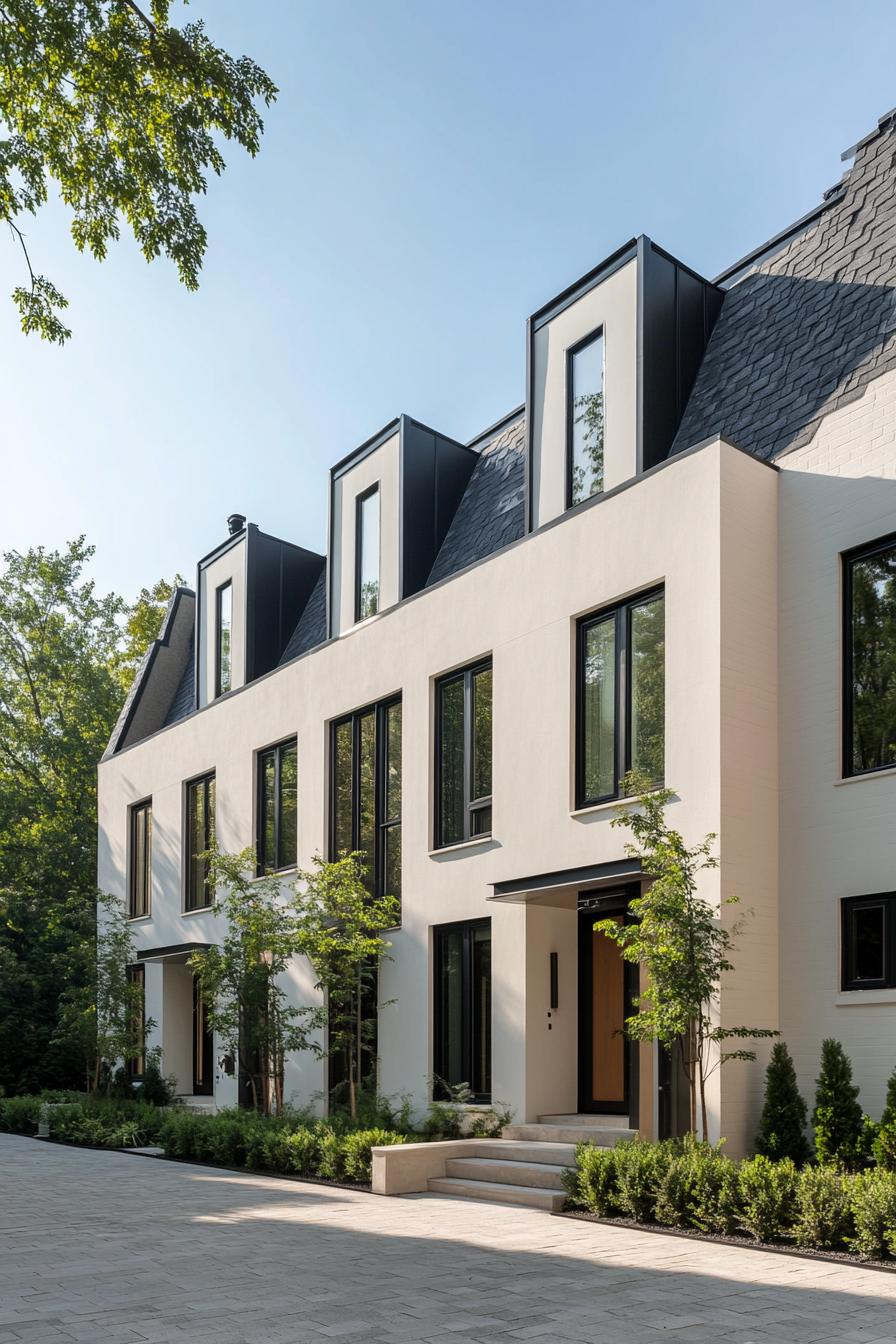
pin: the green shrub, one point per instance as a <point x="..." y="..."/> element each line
<point x="442" y="1122"/>
<point x="837" y="1118"/>
<point x="823" y="1207"/>
<point x="155" y="1088"/>
<point x="302" y="1151"/>
<point x="19" y="1115"/>
<point x="356" y="1155"/>
<point x="782" y="1126"/>
<point x="640" y="1167"/>
<point x="884" y="1147"/>
<point x="873" y="1207"/>
<point x="591" y="1184"/>
<point x="716" y="1204"/>
<point x="767" y="1192"/>
<point x="675" y="1191"/>
<point x="329" y="1161"/>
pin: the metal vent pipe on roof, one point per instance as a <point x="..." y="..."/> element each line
<point x="235" y="523"/>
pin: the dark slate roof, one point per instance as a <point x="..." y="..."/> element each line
<point x="809" y="327"/>
<point x="159" y="675"/>
<point x="311" y="629"/>
<point x="491" y="513"/>
<point x="184" y="701"/>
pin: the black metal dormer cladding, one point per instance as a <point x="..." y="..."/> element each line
<point x="417" y="478"/>
<point x="611" y="364"/>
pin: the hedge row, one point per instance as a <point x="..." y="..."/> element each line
<point x="98" y="1121"/>
<point x="236" y="1138"/>
<point x="684" y="1184"/>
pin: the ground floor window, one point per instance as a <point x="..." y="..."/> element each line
<point x="868" y="942"/>
<point x="137" y="1061"/>
<point x="462" y="969"/>
<point x="203" y="1046"/>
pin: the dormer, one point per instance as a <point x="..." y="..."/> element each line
<point x="391" y="503"/>
<point x="611" y="363"/>
<point x="250" y="592"/>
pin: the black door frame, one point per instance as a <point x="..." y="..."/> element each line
<point x="594" y="905"/>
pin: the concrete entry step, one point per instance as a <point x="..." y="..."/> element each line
<point x="534" y="1197"/>
<point x="585" y="1119"/>
<point x="604" y="1136"/>
<point x="517" y="1150"/>
<point x="506" y="1171"/>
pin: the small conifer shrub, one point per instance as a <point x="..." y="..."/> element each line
<point x="837" y="1118"/>
<point x="782" y="1126"/>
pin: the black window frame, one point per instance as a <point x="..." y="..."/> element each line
<point x="222" y="588"/>
<point x="621" y="612"/>
<point x="848" y="559"/>
<point x="472" y="805"/>
<point x="143" y="809"/>
<point x="136" y="975"/>
<point x="467" y="928"/>
<point x="886" y="901"/>
<point x="276" y="749"/>
<point x="597" y="334"/>
<point x="360" y="501"/>
<point x="382" y="823"/>
<point x="206" y="779"/>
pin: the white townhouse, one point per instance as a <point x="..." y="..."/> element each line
<point x="678" y="554"/>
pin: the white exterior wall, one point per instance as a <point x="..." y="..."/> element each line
<point x="520" y="606"/>
<point x="837" y="835"/>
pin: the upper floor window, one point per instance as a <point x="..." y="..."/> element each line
<point x="278" y="807"/>
<point x="141" y="860"/>
<point x="367" y="552"/>
<point x="869" y="718"/>
<point x="585" y="419"/>
<point x="223" y="629"/>
<point x="868" y="942"/>
<point x="200" y="838"/>
<point x="464" y="755"/>
<point x="365" y="814"/>
<point x="621" y="697"/>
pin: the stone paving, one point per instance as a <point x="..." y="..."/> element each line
<point x="120" y="1249"/>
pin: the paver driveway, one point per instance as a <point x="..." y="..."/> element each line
<point x="102" y="1246"/>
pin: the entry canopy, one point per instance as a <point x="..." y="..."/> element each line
<point x="563" y="888"/>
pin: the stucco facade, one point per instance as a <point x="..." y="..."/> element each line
<point x="746" y="548"/>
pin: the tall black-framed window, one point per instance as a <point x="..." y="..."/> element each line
<point x="620" y="701"/>
<point x="869" y="682"/>
<point x="367" y="554"/>
<point x="365" y="794"/>
<point x="462" y="1003"/>
<point x="463" y="742"/>
<point x="278" y="772"/>
<point x="140" y="884"/>
<point x="203" y="1046"/>
<point x="868" y="942"/>
<point x="200" y="837"/>
<point x="136" y="975"/>
<point x="585" y="419"/>
<point x="223" y="632"/>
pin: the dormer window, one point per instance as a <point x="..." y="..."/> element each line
<point x="585" y="419"/>
<point x="223" y="627"/>
<point x="367" y="551"/>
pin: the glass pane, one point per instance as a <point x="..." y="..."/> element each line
<point x="481" y="1064"/>
<point x="210" y="813"/>
<point x="867" y="943"/>
<point x="392" y="862"/>
<point x="481" y="820"/>
<point x="289" y="804"/>
<point x="393" y="762"/>
<point x="874" y="661"/>
<point x="449" y="1052"/>
<point x="451" y="763"/>
<point x="225" y="620"/>
<point x="147" y="865"/>
<point x="482" y="735"/>
<point x="587" y="413"/>
<point x="268" y="816"/>
<point x="139" y="861"/>
<point x="342" y="787"/>
<point x="648" y="680"/>
<point x="368" y="543"/>
<point x="196" y="893"/>
<point x="599" y="710"/>
<point x="367" y="799"/>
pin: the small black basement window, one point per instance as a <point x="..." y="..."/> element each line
<point x="868" y="942"/>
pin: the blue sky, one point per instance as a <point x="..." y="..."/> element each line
<point x="430" y="174"/>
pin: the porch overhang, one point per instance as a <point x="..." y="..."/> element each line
<point x="175" y="952"/>
<point x="563" y="888"/>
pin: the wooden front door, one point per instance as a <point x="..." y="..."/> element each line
<point x="603" y="1008"/>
